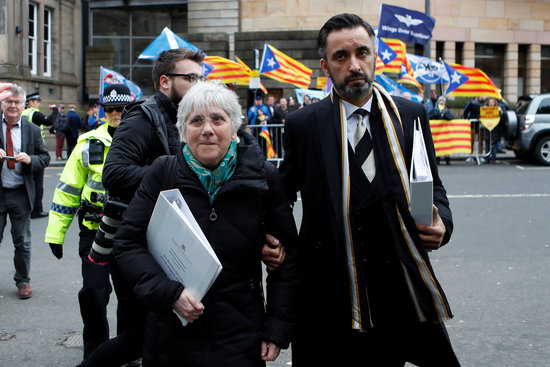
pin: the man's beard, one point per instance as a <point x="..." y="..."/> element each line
<point x="176" y="97"/>
<point x="351" y="92"/>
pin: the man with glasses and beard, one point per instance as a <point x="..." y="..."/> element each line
<point x="369" y="294"/>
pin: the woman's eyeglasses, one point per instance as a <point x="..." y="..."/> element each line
<point x="109" y="109"/>
<point x="192" y="77"/>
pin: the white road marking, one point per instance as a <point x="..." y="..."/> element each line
<point x="497" y="196"/>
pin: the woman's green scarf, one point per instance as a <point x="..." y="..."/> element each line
<point x="213" y="180"/>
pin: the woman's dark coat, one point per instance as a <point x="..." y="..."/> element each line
<point x="235" y="320"/>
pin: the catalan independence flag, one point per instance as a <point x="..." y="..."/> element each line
<point x="226" y="71"/>
<point x="400" y="49"/>
<point x="283" y="68"/>
<point x="478" y="83"/>
<point x="451" y="136"/>
<point x="406" y="76"/>
<point x="264" y="133"/>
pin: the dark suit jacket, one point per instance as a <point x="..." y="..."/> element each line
<point x="312" y="167"/>
<point x="32" y="144"/>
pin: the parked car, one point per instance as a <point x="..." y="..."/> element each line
<point x="528" y="128"/>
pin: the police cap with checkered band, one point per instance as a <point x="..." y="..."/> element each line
<point x="117" y="95"/>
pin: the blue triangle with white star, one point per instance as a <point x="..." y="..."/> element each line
<point x="385" y="52"/>
<point x="456" y="79"/>
<point x="269" y="61"/>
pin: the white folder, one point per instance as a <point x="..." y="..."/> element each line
<point x="421" y="180"/>
<point x="180" y="247"/>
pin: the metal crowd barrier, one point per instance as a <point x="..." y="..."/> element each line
<point x="276" y="134"/>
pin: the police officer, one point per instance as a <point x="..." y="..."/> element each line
<point x="38" y="118"/>
<point x="80" y="189"/>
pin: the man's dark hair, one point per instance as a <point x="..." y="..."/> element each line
<point x="166" y="62"/>
<point x="338" y="22"/>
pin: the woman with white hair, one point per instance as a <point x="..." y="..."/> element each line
<point x="236" y="197"/>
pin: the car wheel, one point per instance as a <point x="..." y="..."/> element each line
<point x="542" y="151"/>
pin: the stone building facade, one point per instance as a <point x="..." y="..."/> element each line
<point x="508" y="39"/>
<point x="56" y="46"/>
<point x="41" y="48"/>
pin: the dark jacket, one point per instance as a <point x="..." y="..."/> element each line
<point x="137" y="143"/>
<point x="32" y="144"/>
<point x="234" y="323"/>
<point x="75" y="123"/>
<point x="437" y="114"/>
<point x="279" y="116"/>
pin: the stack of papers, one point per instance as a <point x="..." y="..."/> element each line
<point x="180" y="247"/>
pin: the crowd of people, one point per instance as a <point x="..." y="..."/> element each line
<point x="355" y="286"/>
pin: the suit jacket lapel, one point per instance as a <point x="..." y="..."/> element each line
<point x="330" y="138"/>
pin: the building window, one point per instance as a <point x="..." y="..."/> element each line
<point x="545" y="69"/>
<point x="33" y="38"/>
<point x="490" y="59"/>
<point x="130" y="31"/>
<point x="459" y="53"/>
<point x="47" y="42"/>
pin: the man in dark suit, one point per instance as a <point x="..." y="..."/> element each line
<point x="369" y="294"/>
<point x="22" y="151"/>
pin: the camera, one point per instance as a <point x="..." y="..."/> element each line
<point x="113" y="208"/>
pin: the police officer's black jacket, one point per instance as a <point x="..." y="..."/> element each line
<point x="139" y="140"/>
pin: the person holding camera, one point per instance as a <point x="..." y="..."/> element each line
<point x="80" y="190"/>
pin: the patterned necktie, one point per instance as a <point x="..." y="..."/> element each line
<point x="9" y="145"/>
<point x="363" y="146"/>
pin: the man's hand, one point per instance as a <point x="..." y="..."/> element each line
<point x="188" y="306"/>
<point x="270" y="351"/>
<point x="432" y="236"/>
<point x="57" y="250"/>
<point x="23" y="158"/>
<point x="273" y="253"/>
<point x="5" y="90"/>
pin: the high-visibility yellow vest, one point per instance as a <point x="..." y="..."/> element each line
<point x="79" y="180"/>
<point x="29" y="112"/>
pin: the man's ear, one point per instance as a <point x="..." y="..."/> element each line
<point x="324" y="67"/>
<point x="165" y="82"/>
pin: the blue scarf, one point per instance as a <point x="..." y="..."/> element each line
<point x="212" y="180"/>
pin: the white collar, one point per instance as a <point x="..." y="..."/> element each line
<point x="350" y="108"/>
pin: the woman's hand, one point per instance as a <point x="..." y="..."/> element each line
<point x="188" y="306"/>
<point x="270" y="351"/>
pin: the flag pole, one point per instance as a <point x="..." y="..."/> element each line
<point x="427" y="49"/>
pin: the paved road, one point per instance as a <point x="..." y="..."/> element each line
<point x="496" y="273"/>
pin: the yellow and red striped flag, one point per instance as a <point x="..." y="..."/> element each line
<point x="400" y="48"/>
<point x="379" y="65"/>
<point x="406" y="76"/>
<point x="451" y="136"/>
<point x="283" y="68"/>
<point x="227" y="71"/>
<point x="264" y="133"/>
<point x="478" y="84"/>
